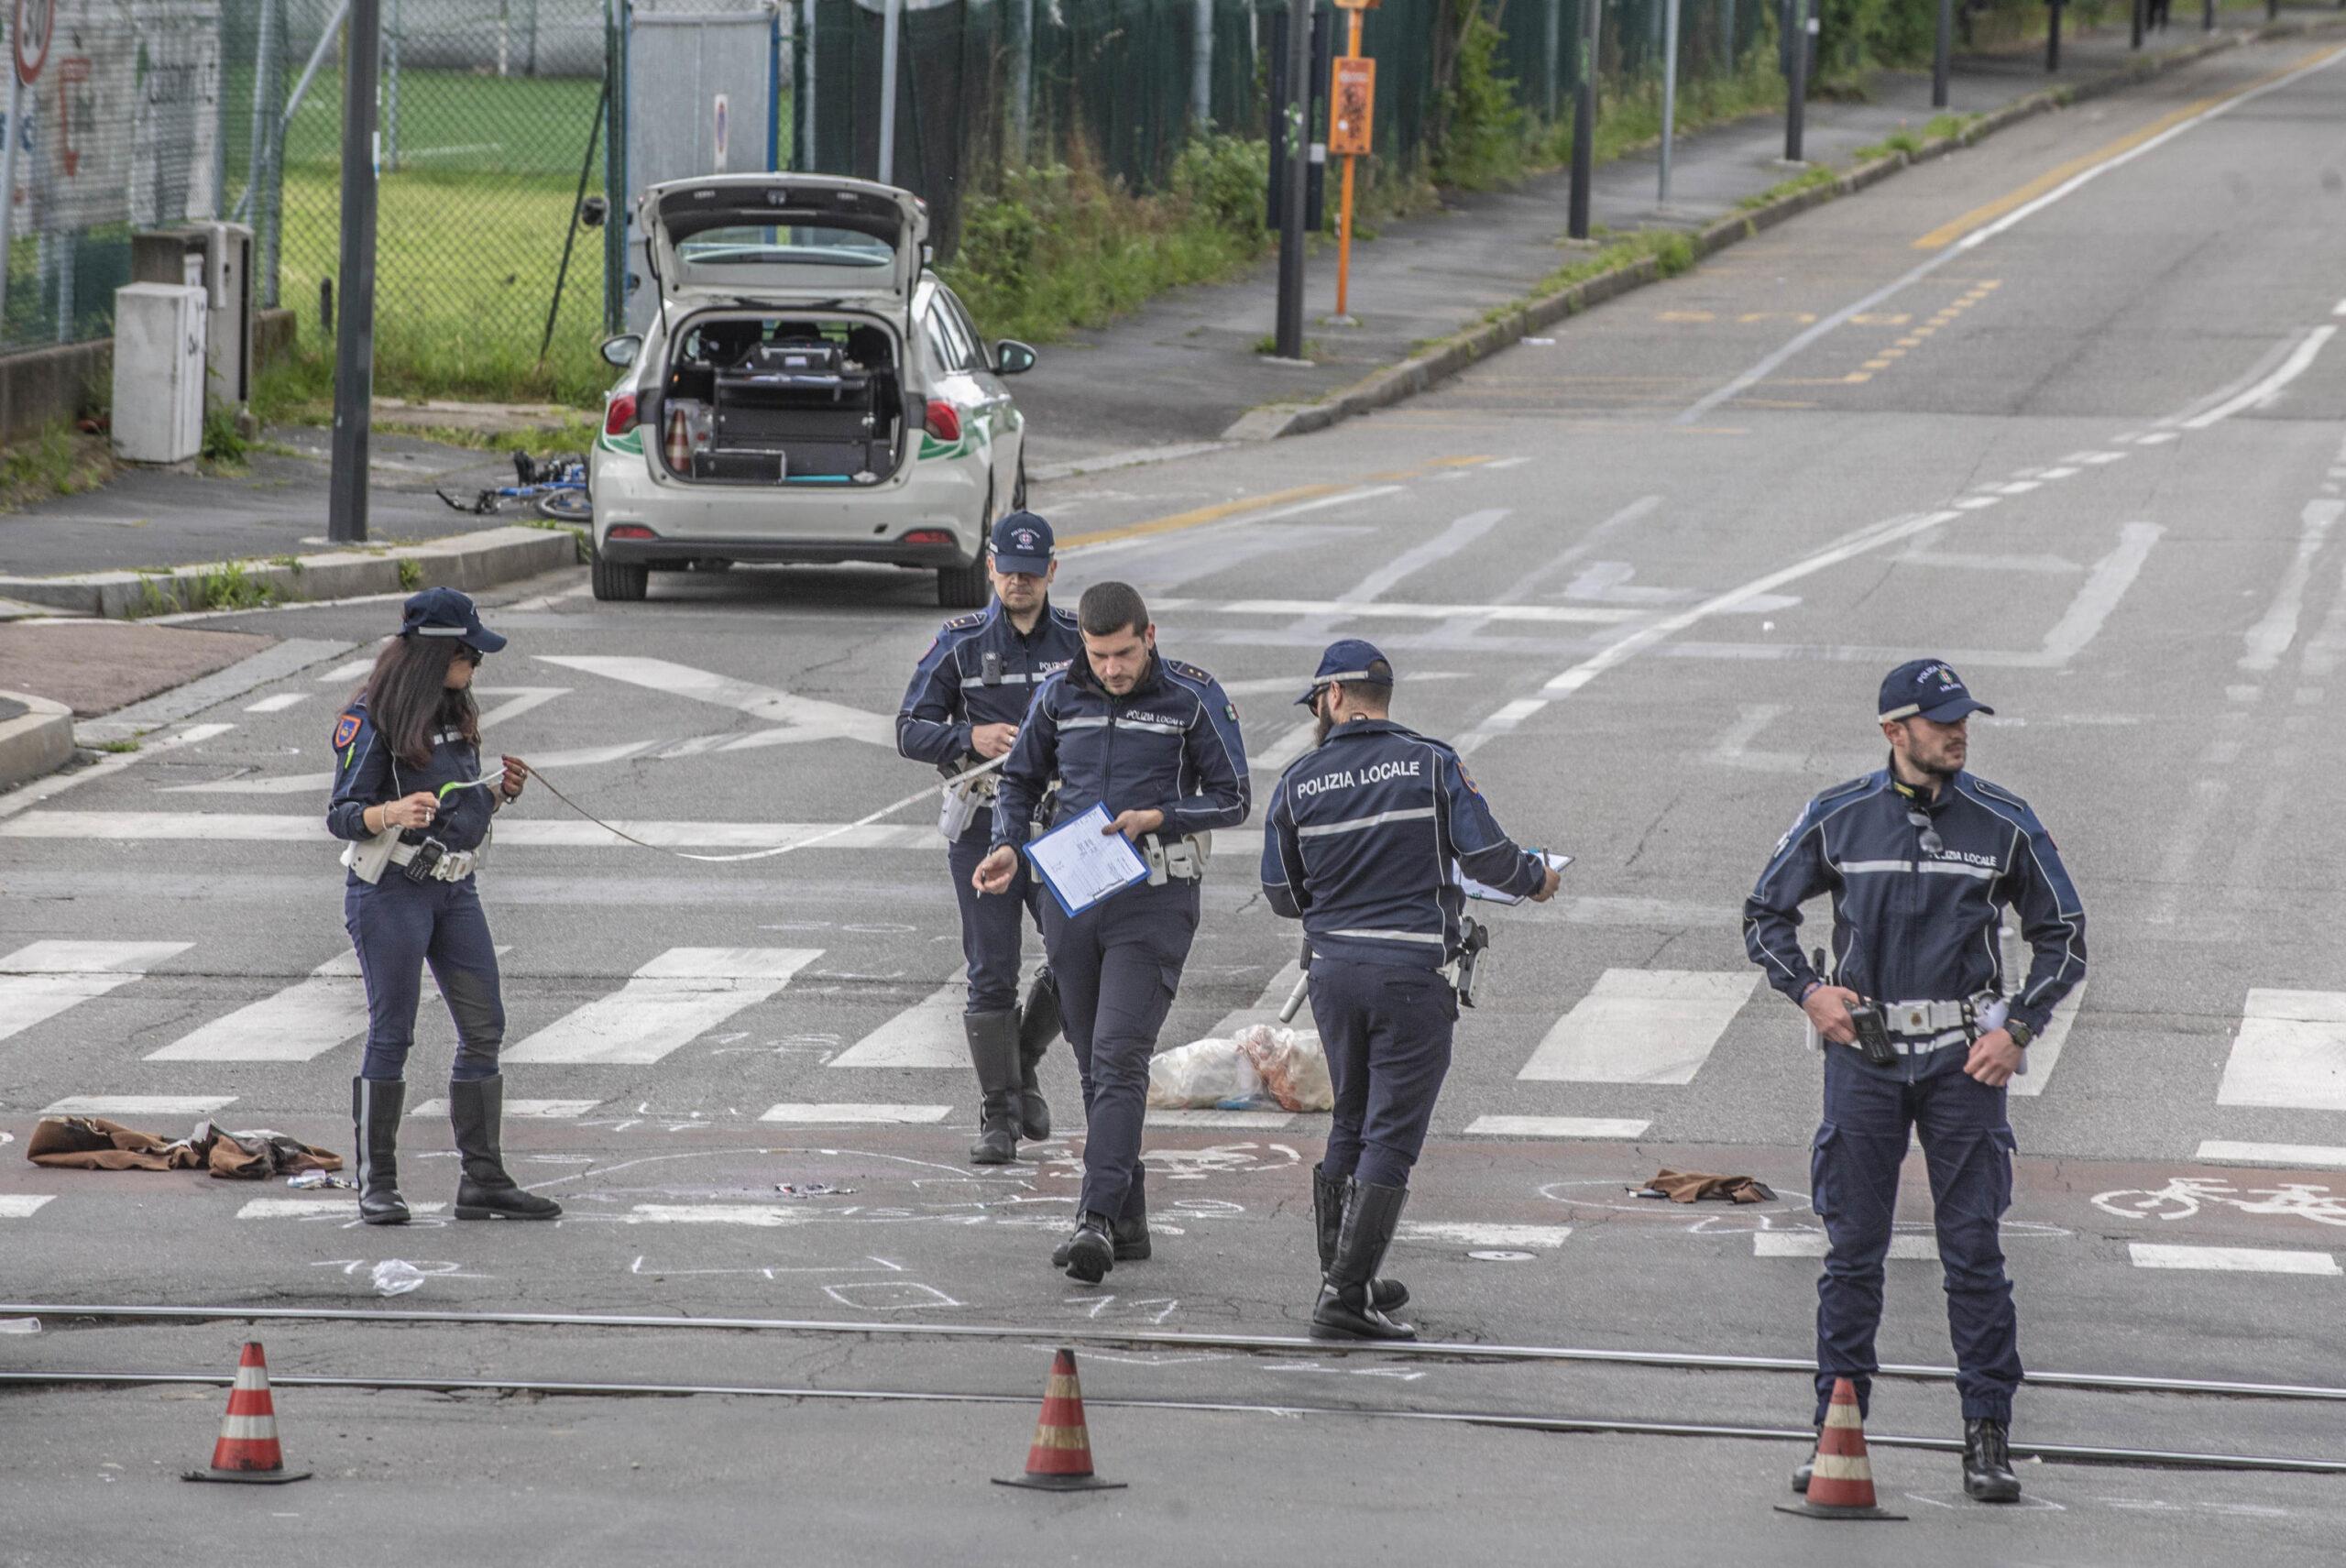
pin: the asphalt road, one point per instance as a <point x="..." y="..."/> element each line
<point x="2063" y="409"/>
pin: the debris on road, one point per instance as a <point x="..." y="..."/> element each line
<point x="93" y="1143"/>
<point x="1691" y="1186"/>
<point x="397" y="1277"/>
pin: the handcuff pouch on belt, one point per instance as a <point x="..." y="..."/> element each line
<point x="1175" y="860"/>
<point x="1474" y="939"/>
<point x="963" y="801"/>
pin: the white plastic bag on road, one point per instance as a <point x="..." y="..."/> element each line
<point x="1200" y="1075"/>
<point x="1293" y="1066"/>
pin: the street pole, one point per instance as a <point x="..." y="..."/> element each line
<point x="1201" y="65"/>
<point x="2136" y="27"/>
<point x="888" y="27"/>
<point x="1669" y="93"/>
<point x="1796" y="104"/>
<point x="1943" y="55"/>
<point x="1592" y="22"/>
<point x="1338" y="129"/>
<point x="354" y="357"/>
<point x="2053" y="39"/>
<point x="8" y="181"/>
<point x="2208" y="16"/>
<point x="1299" y="180"/>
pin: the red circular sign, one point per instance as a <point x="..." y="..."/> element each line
<point x="36" y="21"/>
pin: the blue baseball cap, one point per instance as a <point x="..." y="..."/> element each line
<point x="1023" y="544"/>
<point x="444" y="612"/>
<point x="1927" y="688"/>
<point x="1352" y="660"/>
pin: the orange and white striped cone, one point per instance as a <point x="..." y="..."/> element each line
<point x="1061" y="1457"/>
<point x="1841" y="1486"/>
<point x="247" y="1450"/>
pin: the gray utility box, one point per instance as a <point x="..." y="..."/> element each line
<point x="216" y="258"/>
<point x="158" y="372"/>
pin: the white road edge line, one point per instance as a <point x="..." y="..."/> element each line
<point x="2300" y="359"/>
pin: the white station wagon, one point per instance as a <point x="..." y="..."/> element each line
<point x="806" y="391"/>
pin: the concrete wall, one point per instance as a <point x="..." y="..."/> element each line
<point x="55" y="385"/>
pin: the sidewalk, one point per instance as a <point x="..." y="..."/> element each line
<point x="1184" y="369"/>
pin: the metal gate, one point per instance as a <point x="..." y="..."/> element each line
<point x="699" y="91"/>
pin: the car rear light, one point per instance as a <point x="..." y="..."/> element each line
<point x="680" y="443"/>
<point x="620" y="418"/>
<point x="944" y="420"/>
<point x="629" y="530"/>
<point x="928" y="536"/>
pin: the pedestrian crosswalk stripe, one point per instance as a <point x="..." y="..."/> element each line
<point x="1266" y="1006"/>
<point x="533" y="1110"/>
<point x="765" y="1216"/>
<point x="302" y="1020"/>
<point x="2223" y="1151"/>
<point x="1466" y="1234"/>
<point x="925" y="1035"/>
<point x="354" y="670"/>
<point x="1262" y="1121"/>
<point x="683" y="992"/>
<point x="2044" y="1051"/>
<point x="2231" y="1259"/>
<point x="2290" y="1052"/>
<point x="848" y="1114"/>
<point x="42" y="980"/>
<point x="1813" y="1243"/>
<point x="276" y="704"/>
<point x="139" y="1106"/>
<point x="311" y="1207"/>
<point x="22" y="1205"/>
<point x="1641" y="1027"/>
<point x="1614" y="1127"/>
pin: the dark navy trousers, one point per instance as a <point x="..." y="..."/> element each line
<point x="1118" y="965"/>
<point x="1853" y="1171"/>
<point x="993" y="925"/>
<point x="398" y="927"/>
<point x="1387" y="1030"/>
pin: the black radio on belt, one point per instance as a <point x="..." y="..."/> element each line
<point x="428" y="856"/>
<point x="1873" y="1034"/>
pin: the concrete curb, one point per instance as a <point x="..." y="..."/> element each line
<point x="469" y="561"/>
<point x="38" y="741"/>
<point x="1424" y="371"/>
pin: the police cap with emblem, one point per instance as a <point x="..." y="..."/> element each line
<point x="1023" y="544"/>
<point x="1351" y="662"/>
<point x="444" y="612"/>
<point x="1927" y="688"/>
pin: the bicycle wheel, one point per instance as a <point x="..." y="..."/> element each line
<point x="569" y="504"/>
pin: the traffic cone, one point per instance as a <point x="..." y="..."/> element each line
<point x="247" y="1449"/>
<point x="1060" y="1458"/>
<point x="1842" y="1485"/>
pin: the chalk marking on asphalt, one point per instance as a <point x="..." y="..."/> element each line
<point x="928" y="1033"/>
<point x="2264" y="391"/>
<point x="2290" y="1052"/>
<point x="2044" y="1051"/>
<point x="2104" y="587"/>
<point x="1641" y="1027"/>
<point x="1617" y="1129"/>
<point x="42" y="980"/>
<point x="2271" y="636"/>
<point x="139" y="1106"/>
<point x="2226" y="1151"/>
<point x="2233" y="1259"/>
<point x="682" y="993"/>
<point x="849" y="1114"/>
<point x="1470" y="1234"/>
<point x="1815" y="1244"/>
<point x="22" y="1205"/>
<point x="276" y="704"/>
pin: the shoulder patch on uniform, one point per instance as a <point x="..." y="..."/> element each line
<point x="963" y="622"/>
<point x="346" y="730"/>
<point x="1838" y="790"/>
<point x="1465" y="777"/>
<point x="1182" y="667"/>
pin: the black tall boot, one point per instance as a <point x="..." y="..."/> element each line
<point x="1040" y="1023"/>
<point x="1371" y="1213"/>
<point x="477" y="1110"/>
<point x="375" y="1105"/>
<point x="1327" y="1219"/>
<point x="993" y="1052"/>
<point x="1988" y="1462"/>
<point x="1091" y="1250"/>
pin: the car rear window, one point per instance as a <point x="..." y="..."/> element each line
<point x="800" y="244"/>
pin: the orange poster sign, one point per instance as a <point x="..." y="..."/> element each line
<point x="1352" y="105"/>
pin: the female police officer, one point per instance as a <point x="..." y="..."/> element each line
<point x="409" y="798"/>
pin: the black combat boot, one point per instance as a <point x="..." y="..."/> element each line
<point x="1092" y="1251"/>
<point x="477" y="1112"/>
<point x="375" y="1107"/>
<point x="1988" y="1462"/>
<point x="1130" y="1237"/>
<point x="1806" y="1467"/>
<point x="1327" y="1219"/>
<point x="993" y="1052"/>
<point x="1040" y="1023"/>
<point x="1371" y="1213"/>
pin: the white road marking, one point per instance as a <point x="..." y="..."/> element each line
<point x="42" y="980"/>
<point x="2271" y="636"/>
<point x="1266" y="1006"/>
<point x="1641" y="1027"/>
<point x="926" y="1035"/>
<point x="845" y="1115"/>
<point x="22" y="1205"/>
<point x="2044" y="1051"/>
<point x="2103" y="587"/>
<point x="1273" y="759"/>
<point x="357" y="669"/>
<point x="801" y="717"/>
<point x="311" y="1207"/>
<point x="1614" y="1128"/>
<point x="1261" y="1120"/>
<point x="2339" y="309"/>
<point x="2224" y="1151"/>
<point x="2290" y="1052"/>
<point x="682" y="993"/>
<point x="139" y="1106"/>
<point x="2063" y="472"/>
<point x="2157" y="438"/>
<point x="526" y="1110"/>
<point x="2099" y="458"/>
<point x="1467" y="1235"/>
<point x="1976" y="503"/>
<point x="2019" y="487"/>
<point x="2233" y="1259"/>
<point x="276" y="704"/>
<point x="551" y="833"/>
<point x="302" y="1020"/>
<point x="1401" y="610"/>
<point x="1815" y="1244"/>
<point x="2256" y="397"/>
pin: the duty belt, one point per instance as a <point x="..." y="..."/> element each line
<point x="1175" y="860"/>
<point x="455" y="865"/>
<point x="1918" y="1028"/>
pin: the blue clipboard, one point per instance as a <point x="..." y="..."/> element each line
<point x="1094" y="823"/>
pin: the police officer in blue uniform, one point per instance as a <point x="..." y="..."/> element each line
<point x="1154" y="743"/>
<point x="411" y="801"/>
<point x="966" y="700"/>
<point x="1922" y="859"/>
<point x="1364" y="841"/>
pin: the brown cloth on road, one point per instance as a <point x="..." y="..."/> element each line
<point x="1687" y="1185"/>
<point x="93" y="1143"/>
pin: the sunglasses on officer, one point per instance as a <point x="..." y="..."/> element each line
<point x="469" y="654"/>
<point x="1928" y="839"/>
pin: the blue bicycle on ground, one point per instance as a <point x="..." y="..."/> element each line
<point x="556" y="486"/>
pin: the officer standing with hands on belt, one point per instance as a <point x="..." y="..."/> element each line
<point x="1155" y="743"/>
<point x="1922" y="859"/>
<point x="964" y="707"/>
<point x="1364" y="841"/>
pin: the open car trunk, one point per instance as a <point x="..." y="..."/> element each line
<point x="757" y="397"/>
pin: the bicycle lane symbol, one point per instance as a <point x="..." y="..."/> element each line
<point x="2184" y="1196"/>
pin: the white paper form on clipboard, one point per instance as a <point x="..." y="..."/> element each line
<point x="1476" y="890"/>
<point x="1081" y="863"/>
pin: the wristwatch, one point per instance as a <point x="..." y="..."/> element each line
<point x="2020" y="1033"/>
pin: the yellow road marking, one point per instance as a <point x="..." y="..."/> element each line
<point x="1198" y="517"/>
<point x="1877" y="363"/>
<point x="1914" y="342"/>
<point x="1806" y="318"/>
<point x="1685" y="316"/>
<point x="1882" y="318"/>
<point x="1947" y="234"/>
<point x="1858" y="375"/>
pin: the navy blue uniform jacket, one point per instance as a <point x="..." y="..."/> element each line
<point x="365" y="773"/>
<point x="950" y="693"/>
